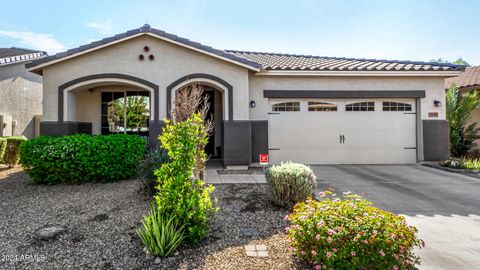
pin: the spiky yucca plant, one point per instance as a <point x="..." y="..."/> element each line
<point x="161" y="235"/>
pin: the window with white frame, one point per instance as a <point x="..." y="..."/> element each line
<point x="315" y="106"/>
<point x="286" y="107"/>
<point x="368" y="106"/>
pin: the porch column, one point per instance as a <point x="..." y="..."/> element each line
<point x="237" y="143"/>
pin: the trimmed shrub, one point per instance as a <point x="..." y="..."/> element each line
<point x="3" y="146"/>
<point x="349" y="233"/>
<point x="82" y="158"/>
<point x="160" y="235"/>
<point x="11" y="157"/>
<point x="290" y="183"/>
<point x="180" y="194"/>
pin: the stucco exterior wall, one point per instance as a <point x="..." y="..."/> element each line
<point x="171" y="63"/>
<point x="20" y="97"/>
<point x="433" y="87"/>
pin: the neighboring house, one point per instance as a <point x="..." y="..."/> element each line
<point x="468" y="81"/>
<point x="20" y="92"/>
<point x="309" y="109"/>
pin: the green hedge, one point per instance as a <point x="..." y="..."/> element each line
<point x="82" y="158"/>
<point x="3" y="146"/>
<point x="11" y="157"/>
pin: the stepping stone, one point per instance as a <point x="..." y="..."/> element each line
<point x="49" y="232"/>
<point x="262" y="253"/>
<point x="256" y="251"/>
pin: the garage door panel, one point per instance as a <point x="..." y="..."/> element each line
<point x="371" y="137"/>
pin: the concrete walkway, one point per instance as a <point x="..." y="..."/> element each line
<point x="213" y="177"/>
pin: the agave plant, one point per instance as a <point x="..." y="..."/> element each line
<point x="161" y="235"/>
<point x="459" y="109"/>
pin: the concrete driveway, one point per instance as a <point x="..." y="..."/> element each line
<point x="445" y="207"/>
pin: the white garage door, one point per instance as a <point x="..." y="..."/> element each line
<point x="332" y="131"/>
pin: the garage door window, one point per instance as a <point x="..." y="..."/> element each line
<point x="360" y="107"/>
<point x="321" y="107"/>
<point x="396" y="107"/>
<point x="286" y="107"/>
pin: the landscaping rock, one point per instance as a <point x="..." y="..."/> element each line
<point x="50" y="232"/>
<point x="158" y="260"/>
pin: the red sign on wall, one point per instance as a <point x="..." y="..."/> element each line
<point x="263" y="159"/>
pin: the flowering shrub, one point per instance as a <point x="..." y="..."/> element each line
<point x="349" y="233"/>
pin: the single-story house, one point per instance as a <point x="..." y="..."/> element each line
<point x="309" y="109"/>
<point x="20" y="92"/>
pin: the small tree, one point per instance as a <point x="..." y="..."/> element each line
<point x="189" y="100"/>
<point x="180" y="192"/>
<point x="459" y="109"/>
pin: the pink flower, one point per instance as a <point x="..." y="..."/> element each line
<point x="317" y="267"/>
<point x="318" y="236"/>
<point x="320" y="224"/>
<point x="303" y="217"/>
<point x="392" y="235"/>
<point x="329" y="239"/>
<point x="286" y="229"/>
<point x="330" y="232"/>
<point x="322" y="194"/>
<point x="395" y="256"/>
<point x="382" y="253"/>
<point x="334" y="250"/>
<point x="302" y="252"/>
<point x="365" y="242"/>
<point x="353" y="253"/>
<point x="285" y="218"/>
<point x="329" y="254"/>
<point x="314" y="253"/>
<point x="395" y="267"/>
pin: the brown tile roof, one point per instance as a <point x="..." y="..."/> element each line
<point x="469" y="79"/>
<point x="277" y="61"/>
<point x="146" y="29"/>
<point x="270" y="61"/>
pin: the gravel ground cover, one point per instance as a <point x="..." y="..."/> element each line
<point x="99" y="221"/>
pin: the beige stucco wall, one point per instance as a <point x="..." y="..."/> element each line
<point x="20" y="97"/>
<point x="171" y="63"/>
<point x="433" y="86"/>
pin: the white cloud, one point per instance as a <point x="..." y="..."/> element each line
<point x="44" y="42"/>
<point x="104" y="28"/>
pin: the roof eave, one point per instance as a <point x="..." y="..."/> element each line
<point x="449" y="73"/>
<point x="37" y="67"/>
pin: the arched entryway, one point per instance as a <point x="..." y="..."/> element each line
<point x="219" y="97"/>
<point x="103" y="104"/>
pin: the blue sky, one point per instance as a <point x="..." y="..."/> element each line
<point x="384" y="29"/>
